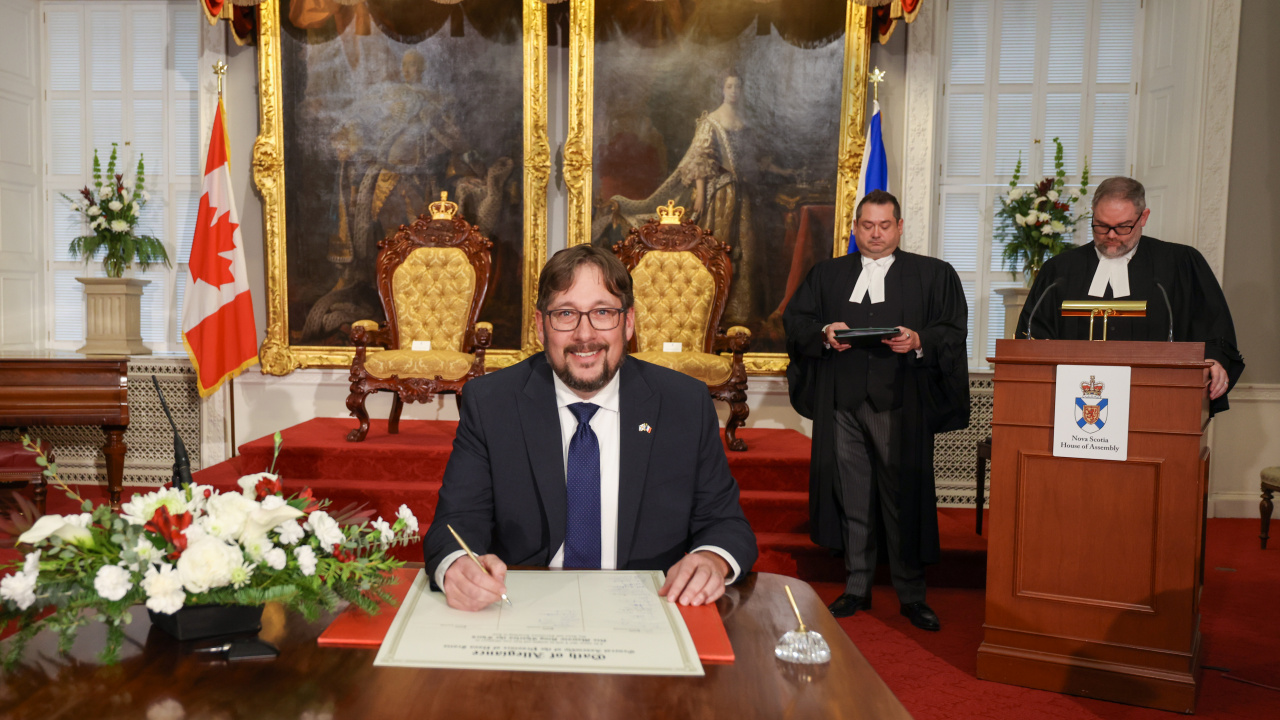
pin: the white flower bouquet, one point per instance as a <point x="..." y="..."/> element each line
<point x="173" y="548"/>
<point x="1037" y="219"/>
<point x="111" y="208"/>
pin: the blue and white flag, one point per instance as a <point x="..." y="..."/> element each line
<point x="875" y="167"/>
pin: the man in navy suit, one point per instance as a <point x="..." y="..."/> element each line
<point x="580" y="457"/>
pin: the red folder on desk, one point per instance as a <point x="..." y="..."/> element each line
<point x="356" y="628"/>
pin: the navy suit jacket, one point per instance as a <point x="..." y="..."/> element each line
<point x="504" y="487"/>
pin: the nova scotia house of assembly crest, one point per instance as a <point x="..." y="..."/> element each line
<point x="1091" y="407"/>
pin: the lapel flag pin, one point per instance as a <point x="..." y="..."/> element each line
<point x="644" y="427"/>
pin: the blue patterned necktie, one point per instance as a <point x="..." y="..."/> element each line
<point x="582" y="472"/>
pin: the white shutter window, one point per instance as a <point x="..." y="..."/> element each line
<point x="1116" y="30"/>
<point x="964" y="135"/>
<point x="1013" y="138"/>
<point x="1110" y="134"/>
<point x="106" y="51"/>
<point x="1018" y="41"/>
<point x="65" y="123"/>
<point x="123" y="72"/>
<point x="1020" y="73"/>
<point x="63" y="40"/>
<point x="1067" y="41"/>
<point x="1062" y="121"/>
<point x="968" y="41"/>
<point x="961" y="221"/>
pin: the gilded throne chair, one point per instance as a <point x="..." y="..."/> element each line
<point x="432" y="278"/>
<point x="681" y="276"/>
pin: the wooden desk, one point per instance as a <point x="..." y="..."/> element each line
<point x="70" y="390"/>
<point x="343" y="683"/>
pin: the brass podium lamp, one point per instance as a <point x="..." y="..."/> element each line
<point x="1104" y="309"/>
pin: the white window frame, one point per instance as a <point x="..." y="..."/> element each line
<point x="992" y="181"/>
<point x="162" y="184"/>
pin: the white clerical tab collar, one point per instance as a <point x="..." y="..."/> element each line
<point x="1113" y="272"/>
<point x="871" y="280"/>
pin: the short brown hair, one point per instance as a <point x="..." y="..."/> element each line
<point x="1121" y="188"/>
<point x="557" y="275"/>
<point x="879" y="197"/>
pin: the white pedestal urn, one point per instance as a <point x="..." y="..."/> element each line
<point x="113" y="316"/>
<point x="1014" y="299"/>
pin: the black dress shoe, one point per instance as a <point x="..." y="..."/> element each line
<point x="922" y="616"/>
<point x="847" y="605"/>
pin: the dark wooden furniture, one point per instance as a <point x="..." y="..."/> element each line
<point x="76" y="390"/>
<point x="432" y="278"/>
<point x="1270" y="483"/>
<point x="984" y="457"/>
<point x="160" y="673"/>
<point x="1094" y="567"/>
<point x="680" y="294"/>
<point x="18" y="469"/>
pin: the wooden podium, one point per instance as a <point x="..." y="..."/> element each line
<point x="1094" y="567"/>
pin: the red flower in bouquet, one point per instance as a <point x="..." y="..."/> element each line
<point x="172" y="528"/>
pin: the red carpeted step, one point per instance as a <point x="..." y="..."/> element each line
<point x="318" y="448"/>
<point x="775" y="460"/>
<point x="775" y="511"/>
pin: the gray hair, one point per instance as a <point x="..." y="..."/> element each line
<point x="1121" y="188"/>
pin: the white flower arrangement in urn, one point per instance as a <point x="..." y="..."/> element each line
<point x="112" y="208"/>
<point x="175" y="548"/>
<point x="1038" y="218"/>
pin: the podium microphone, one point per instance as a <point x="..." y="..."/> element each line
<point x="1032" y="315"/>
<point x="1168" y="308"/>
<point x="181" y="463"/>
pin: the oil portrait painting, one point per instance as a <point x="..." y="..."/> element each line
<point x="732" y="108"/>
<point x="386" y="104"/>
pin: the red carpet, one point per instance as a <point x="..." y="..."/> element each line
<point x="932" y="673"/>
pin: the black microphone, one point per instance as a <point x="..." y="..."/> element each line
<point x="1031" y="316"/>
<point x="1169" y="308"/>
<point x="181" y="463"/>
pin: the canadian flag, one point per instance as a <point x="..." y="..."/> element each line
<point x="217" y="321"/>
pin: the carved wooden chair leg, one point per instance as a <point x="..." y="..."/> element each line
<point x="393" y="422"/>
<point x="738" y="412"/>
<point x="355" y="403"/>
<point x="457" y="399"/>
<point x="1265" y="507"/>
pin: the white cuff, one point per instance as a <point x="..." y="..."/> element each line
<point x="735" y="570"/>
<point x="443" y="567"/>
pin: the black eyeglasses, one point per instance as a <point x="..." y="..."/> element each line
<point x="600" y="318"/>
<point x="1120" y="230"/>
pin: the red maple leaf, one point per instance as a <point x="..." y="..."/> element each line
<point x="213" y="239"/>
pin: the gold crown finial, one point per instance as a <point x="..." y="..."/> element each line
<point x="669" y="214"/>
<point x="444" y="209"/>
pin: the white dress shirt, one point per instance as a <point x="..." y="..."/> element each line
<point x="1113" y="272"/>
<point x="605" y="425"/>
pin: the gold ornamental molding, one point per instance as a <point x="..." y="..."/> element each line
<point x="277" y="356"/>
<point x="578" y="145"/>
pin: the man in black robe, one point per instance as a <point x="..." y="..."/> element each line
<point x="1121" y="263"/>
<point x="876" y="405"/>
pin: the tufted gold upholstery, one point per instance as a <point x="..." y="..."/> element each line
<point x="432" y="289"/>
<point x="710" y="369"/>
<point x="446" y="364"/>
<point x="680" y="276"/>
<point x="432" y="278"/>
<point x="673" y="291"/>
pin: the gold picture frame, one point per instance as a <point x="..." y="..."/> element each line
<point x="580" y="147"/>
<point x="279" y="356"/>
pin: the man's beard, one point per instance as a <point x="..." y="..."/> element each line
<point x="589" y="385"/>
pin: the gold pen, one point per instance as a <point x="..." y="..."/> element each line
<point x="474" y="559"/>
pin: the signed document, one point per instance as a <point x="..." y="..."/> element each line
<point x="597" y="621"/>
